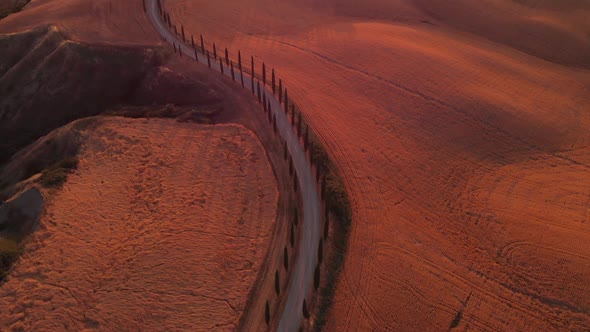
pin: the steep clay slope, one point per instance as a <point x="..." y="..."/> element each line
<point x="78" y="30"/>
<point x="98" y="22"/>
<point x="466" y="160"/>
<point x="163" y="227"/>
<point x="47" y="80"/>
<point x="8" y="7"/>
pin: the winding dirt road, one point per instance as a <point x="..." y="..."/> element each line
<point x="304" y="266"/>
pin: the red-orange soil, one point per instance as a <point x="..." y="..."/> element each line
<point x="163" y="227"/>
<point x="461" y="134"/>
<point x="96" y="22"/>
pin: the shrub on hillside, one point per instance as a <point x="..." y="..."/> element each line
<point x="56" y="175"/>
<point x="9" y="251"/>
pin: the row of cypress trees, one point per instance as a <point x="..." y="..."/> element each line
<point x="300" y="129"/>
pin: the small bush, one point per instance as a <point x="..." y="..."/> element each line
<point x="339" y="204"/>
<point x="57" y="174"/>
<point x="68" y="163"/>
<point x="54" y="177"/>
<point x="201" y="115"/>
<point x="9" y="251"/>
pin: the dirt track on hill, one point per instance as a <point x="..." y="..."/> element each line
<point x="302" y="276"/>
<point x="466" y="159"/>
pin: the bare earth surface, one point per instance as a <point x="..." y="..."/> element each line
<point x="96" y="22"/>
<point x="463" y="143"/>
<point x="163" y="226"/>
<point x="460" y="133"/>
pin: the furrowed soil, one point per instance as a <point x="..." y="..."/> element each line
<point x="65" y="60"/>
<point x="163" y="226"/>
<point x="98" y="22"/>
<point x="460" y="132"/>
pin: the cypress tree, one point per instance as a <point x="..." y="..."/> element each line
<point x="208" y="59"/>
<point x="233" y="77"/>
<point x="269" y="116"/>
<point x="267" y="313"/>
<point x="241" y="76"/>
<point x="295" y="183"/>
<point x="182" y="28"/>
<point x="286" y="151"/>
<point x="221" y="66"/>
<point x="240" y="59"/>
<point x="326" y="225"/>
<point x="316" y="277"/>
<point x="263" y="74"/>
<point x="259" y="96"/>
<point x="226" y="56"/>
<point x="273" y="82"/>
<point x="269" y="109"/>
<point x="290" y="166"/>
<point x="274" y="124"/>
<point x="264" y="104"/>
<point x="277" y="283"/>
<point x="214" y="51"/>
<point x="318" y="171"/>
<point x="305" y="312"/>
<point x="321" y="251"/>
<point x="252" y="58"/>
<point x="196" y="56"/>
<point x="286" y="259"/>
<point x="293" y="114"/>
<point x="292" y="236"/>
<point x="286" y="101"/>
<point x="169" y="21"/>
<point x="202" y="44"/>
<point x="280" y="90"/>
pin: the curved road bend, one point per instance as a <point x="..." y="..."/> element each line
<point x="302" y="276"/>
